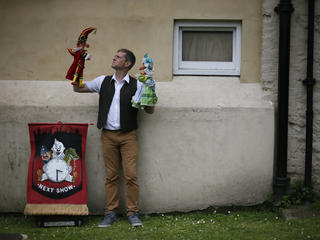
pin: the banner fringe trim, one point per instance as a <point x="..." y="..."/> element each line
<point x="56" y="209"/>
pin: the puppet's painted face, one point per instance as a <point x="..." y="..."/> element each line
<point x="57" y="148"/>
<point x="147" y="65"/>
<point x="82" y="45"/>
<point x="45" y="156"/>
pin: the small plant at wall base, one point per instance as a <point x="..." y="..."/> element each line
<point x="297" y="195"/>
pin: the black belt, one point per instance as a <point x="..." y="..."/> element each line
<point x="111" y="130"/>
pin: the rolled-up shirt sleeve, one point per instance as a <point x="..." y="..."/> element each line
<point x="95" y="84"/>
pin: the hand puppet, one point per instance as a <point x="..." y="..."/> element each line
<point x="145" y="94"/>
<point x="80" y="55"/>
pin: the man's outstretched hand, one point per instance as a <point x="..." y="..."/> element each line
<point x="83" y="89"/>
<point x="149" y="109"/>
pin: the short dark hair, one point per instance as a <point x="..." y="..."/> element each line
<point x="129" y="56"/>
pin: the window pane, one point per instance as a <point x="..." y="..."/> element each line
<point x="207" y="46"/>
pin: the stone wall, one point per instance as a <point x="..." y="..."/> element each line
<point x="38" y="33"/>
<point x="297" y="91"/>
<point x="198" y="149"/>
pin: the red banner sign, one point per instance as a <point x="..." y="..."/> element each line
<point x="57" y="182"/>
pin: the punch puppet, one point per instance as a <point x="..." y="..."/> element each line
<point x="80" y="55"/>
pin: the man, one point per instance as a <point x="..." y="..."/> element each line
<point x="118" y="120"/>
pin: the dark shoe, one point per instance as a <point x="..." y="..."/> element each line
<point x="134" y="220"/>
<point x="108" y="220"/>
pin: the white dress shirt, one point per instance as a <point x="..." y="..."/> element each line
<point x="113" y="119"/>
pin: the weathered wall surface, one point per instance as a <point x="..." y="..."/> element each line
<point x="297" y="91"/>
<point x="210" y="141"/>
<point x="198" y="149"/>
<point x="37" y="33"/>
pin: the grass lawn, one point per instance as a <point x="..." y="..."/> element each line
<point x="247" y="223"/>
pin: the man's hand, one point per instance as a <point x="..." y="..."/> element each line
<point x="148" y="109"/>
<point x="84" y="89"/>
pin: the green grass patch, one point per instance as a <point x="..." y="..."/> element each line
<point x="210" y="224"/>
<point x="315" y="206"/>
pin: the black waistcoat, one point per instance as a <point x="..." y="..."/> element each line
<point x="128" y="114"/>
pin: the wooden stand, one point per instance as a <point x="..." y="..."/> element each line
<point x="59" y="221"/>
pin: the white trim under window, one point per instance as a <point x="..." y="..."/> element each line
<point x="207" y="67"/>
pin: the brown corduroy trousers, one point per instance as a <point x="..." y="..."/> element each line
<point x="117" y="148"/>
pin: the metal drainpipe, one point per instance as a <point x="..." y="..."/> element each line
<point x="309" y="83"/>
<point x="281" y="181"/>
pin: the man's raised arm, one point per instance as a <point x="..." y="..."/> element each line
<point x="84" y="89"/>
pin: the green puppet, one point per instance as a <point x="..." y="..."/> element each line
<point x="145" y="94"/>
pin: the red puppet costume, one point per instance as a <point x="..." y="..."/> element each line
<point x="80" y="55"/>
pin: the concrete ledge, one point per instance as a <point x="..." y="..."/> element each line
<point x="209" y="143"/>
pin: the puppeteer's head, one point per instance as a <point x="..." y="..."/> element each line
<point x="123" y="60"/>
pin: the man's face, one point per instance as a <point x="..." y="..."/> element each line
<point x="119" y="61"/>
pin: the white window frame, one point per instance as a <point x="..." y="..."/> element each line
<point x="181" y="67"/>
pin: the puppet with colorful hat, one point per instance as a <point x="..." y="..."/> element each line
<point x="80" y="55"/>
<point x="145" y="94"/>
